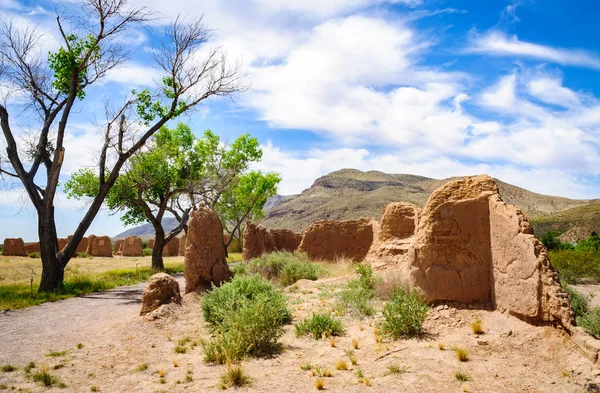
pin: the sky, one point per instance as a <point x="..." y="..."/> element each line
<point x="437" y="88"/>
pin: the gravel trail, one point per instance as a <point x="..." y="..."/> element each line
<point x="30" y="333"/>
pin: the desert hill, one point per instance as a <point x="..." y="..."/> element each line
<point x="350" y="194"/>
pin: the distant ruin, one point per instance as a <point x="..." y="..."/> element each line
<point x="132" y="247"/>
<point x="257" y="241"/>
<point x="14" y="248"/>
<point x="171" y="249"/>
<point x="102" y="246"/>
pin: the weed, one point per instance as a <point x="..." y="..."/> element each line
<point x="578" y="302"/>
<point x="142" y="367"/>
<point x="477" y="326"/>
<point x="462" y="377"/>
<point x="306" y="367"/>
<point x="162" y="381"/>
<point x="319" y="384"/>
<point x="58" y="366"/>
<point x="355" y="343"/>
<point x="366" y="381"/>
<point x="234" y="376"/>
<point x="360" y="292"/>
<point x="285" y="267"/>
<point x="79" y="346"/>
<point x="461" y="354"/>
<point x="441" y="346"/>
<point x="189" y="376"/>
<point x="54" y="354"/>
<point x="341" y="365"/>
<point x="319" y="326"/>
<point x="180" y="349"/>
<point x="29" y="367"/>
<point x="591" y="322"/>
<point x="7" y="368"/>
<point x="35" y="255"/>
<point x="404" y="314"/>
<point x="332" y="341"/>
<point x="94" y="389"/>
<point x="359" y="373"/>
<point x="184" y="341"/>
<point x="47" y="379"/>
<point x="393" y="369"/>
<point x="175" y="363"/>
<point x="353" y="359"/>
<point x="162" y="373"/>
<point x="91" y="375"/>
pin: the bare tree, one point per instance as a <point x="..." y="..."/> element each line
<point x="52" y="88"/>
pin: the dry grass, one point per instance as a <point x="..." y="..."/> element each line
<point x="477" y="326"/>
<point x="461" y="354"/>
<point x="337" y="268"/>
<point x="341" y="365"/>
<point x="320" y="384"/>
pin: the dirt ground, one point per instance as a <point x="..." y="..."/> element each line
<point x="121" y="352"/>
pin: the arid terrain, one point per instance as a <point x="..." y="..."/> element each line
<point x="99" y="343"/>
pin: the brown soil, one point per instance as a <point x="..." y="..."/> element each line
<point x="511" y="356"/>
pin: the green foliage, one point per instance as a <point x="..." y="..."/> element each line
<point x="576" y="265"/>
<point x="21" y="296"/>
<point x="360" y="292"/>
<point x="577" y="300"/>
<point x="590" y="322"/>
<point x="403" y="314"/>
<point x="47" y="379"/>
<point x="35" y="255"/>
<point x="591" y="244"/>
<point x="245" y="317"/>
<point x="72" y="62"/>
<point x="553" y="243"/>
<point x="149" y="108"/>
<point x="462" y="377"/>
<point x="83" y="255"/>
<point x="320" y="326"/>
<point x="286" y="267"/>
<point x="7" y="368"/>
<point x="147" y="252"/>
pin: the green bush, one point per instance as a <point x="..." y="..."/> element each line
<point x="147" y="252"/>
<point x="245" y="317"/>
<point x="286" y="267"/>
<point x="320" y="326"/>
<point x="574" y="265"/>
<point x="83" y="255"/>
<point x="577" y="300"/>
<point x="591" y="322"/>
<point x="360" y="292"/>
<point x="403" y="315"/>
<point x="35" y="255"/>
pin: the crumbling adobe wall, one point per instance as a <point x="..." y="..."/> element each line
<point x="257" y="241"/>
<point x="90" y="248"/>
<point x="205" y="263"/>
<point x="182" y="244"/>
<point x="471" y="247"/>
<point x="118" y="250"/>
<point x="131" y="247"/>
<point x="102" y="247"/>
<point x="14" y="248"/>
<point x="32" y="247"/>
<point x="398" y="225"/>
<point x="171" y="249"/>
<point x="150" y="244"/>
<point x="328" y="240"/>
<point x="81" y="247"/>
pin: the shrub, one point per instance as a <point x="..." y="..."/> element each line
<point x="285" y="267"/>
<point x="246" y="317"/>
<point x="395" y="369"/>
<point x="319" y="384"/>
<point x="147" y="252"/>
<point x="7" y="368"/>
<point x="320" y="326"/>
<point x="83" y="255"/>
<point x="360" y="292"/>
<point x="578" y="302"/>
<point x="403" y="315"/>
<point x="234" y="376"/>
<point x="591" y="322"/>
<point x="573" y="266"/>
<point x="47" y="379"/>
<point x="35" y="255"/>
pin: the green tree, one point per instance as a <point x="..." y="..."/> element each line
<point x="49" y="91"/>
<point x="245" y="200"/>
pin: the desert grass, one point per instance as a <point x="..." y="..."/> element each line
<point x="461" y="354"/>
<point x="477" y="326"/>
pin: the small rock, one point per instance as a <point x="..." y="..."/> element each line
<point x="482" y="342"/>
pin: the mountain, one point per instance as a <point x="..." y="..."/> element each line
<point x="350" y="194"/>
<point x="146" y="231"/>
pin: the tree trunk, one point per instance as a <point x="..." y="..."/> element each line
<point x="157" y="251"/>
<point x="53" y="270"/>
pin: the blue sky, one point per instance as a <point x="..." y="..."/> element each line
<point x="437" y="88"/>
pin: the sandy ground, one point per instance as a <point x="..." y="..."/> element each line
<point x="511" y="356"/>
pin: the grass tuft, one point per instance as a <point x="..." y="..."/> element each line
<point x="320" y="384"/>
<point x="461" y="377"/>
<point x="7" y="368"/>
<point x="477" y="326"/>
<point x="320" y="326"/>
<point x="234" y="376"/>
<point x="461" y="354"/>
<point x="341" y="365"/>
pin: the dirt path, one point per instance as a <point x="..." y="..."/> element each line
<point x="30" y="333"/>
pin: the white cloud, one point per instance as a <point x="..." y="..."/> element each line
<point x="133" y="75"/>
<point x="501" y="95"/>
<point x="550" y="90"/>
<point x="498" y="44"/>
